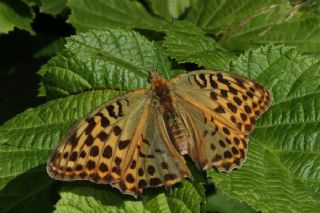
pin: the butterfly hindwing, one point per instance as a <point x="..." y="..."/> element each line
<point x="209" y="146"/>
<point x="154" y="162"/>
<point x="222" y="109"/>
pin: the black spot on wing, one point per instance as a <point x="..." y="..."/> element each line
<point x="203" y="78"/>
<point x="73" y="140"/>
<point x="232" y="107"/>
<point x="222" y="80"/>
<point x="123" y="144"/>
<point x="198" y="82"/>
<point x="120" y="111"/>
<point x="91" y="124"/>
<point x="219" y="109"/>
<point x="232" y="90"/>
<point x="111" y="112"/>
<point x="102" y="136"/>
<point x="117" y="130"/>
<point x="213" y="84"/>
<point x="104" y="121"/>
<point x="224" y="93"/>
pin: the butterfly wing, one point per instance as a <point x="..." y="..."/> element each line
<point x="158" y="162"/>
<point x="119" y="143"/>
<point x="220" y="110"/>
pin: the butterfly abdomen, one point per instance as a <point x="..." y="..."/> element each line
<point x="178" y="133"/>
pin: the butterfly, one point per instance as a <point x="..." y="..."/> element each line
<point x="138" y="140"/>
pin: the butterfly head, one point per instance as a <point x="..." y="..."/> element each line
<point x="159" y="86"/>
<point x="153" y="76"/>
<point x="155" y="80"/>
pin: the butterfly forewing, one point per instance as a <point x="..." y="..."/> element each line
<point x="95" y="147"/>
<point x="220" y="109"/>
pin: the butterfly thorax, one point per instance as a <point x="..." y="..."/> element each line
<point x="160" y="89"/>
<point x="176" y="128"/>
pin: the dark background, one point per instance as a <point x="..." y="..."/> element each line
<point x="19" y="81"/>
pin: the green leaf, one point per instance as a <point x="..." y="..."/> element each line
<point x="169" y="9"/>
<point x="30" y="192"/>
<point x="184" y="198"/>
<point x="241" y="25"/>
<point x="53" y="7"/>
<point x="86" y="15"/>
<point x="116" y="59"/>
<point x="15" y="14"/>
<point x="281" y="173"/>
<point x="187" y="43"/>
<point x="281" y="24"/>
<point x="213" y="16"/>
<point x="219" y="202"/>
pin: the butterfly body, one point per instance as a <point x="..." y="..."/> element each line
<point x="164" y="93"/>
<point x="138" y="140"/>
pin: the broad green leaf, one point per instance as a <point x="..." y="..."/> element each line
<point x="53" y="7"/>
<point x="187" y="43"/>
<point x="241" y="25"/>
<point x="282" y="172"/>
<point x="184" y="198"/>
<point x="280" y="24"/>
<point x="86" y="15"/>
<point x="219" y="202"/>
<point x="169" y="9"/>
<point x="116" y="59"/>
<point x="15" y="14"/>
<point x="30" y="192"/>
<point x="213" y="16"/>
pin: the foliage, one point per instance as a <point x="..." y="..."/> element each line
<point x="116" y="43"/>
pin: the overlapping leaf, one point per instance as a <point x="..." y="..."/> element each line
<point x="116" y="59"/>
<point x="53" y="7"/>
<point x="15" y="14"/>
<point x="112" y="13"/>
<point x="170" y="9"/>
<point x="30" y="192"/>
<point x="244" y="24"/>
<point x="219" y="202"/>
<point x="185" y="42"/>
<point x="184" y="198"/>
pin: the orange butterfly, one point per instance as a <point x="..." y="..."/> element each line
<point x="139" y="139"/>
